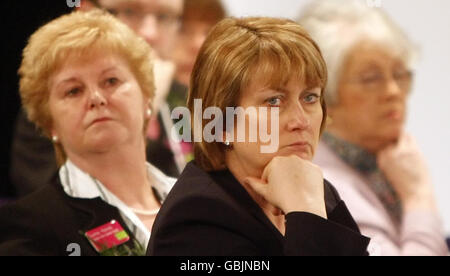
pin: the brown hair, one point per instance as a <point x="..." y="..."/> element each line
<point x="238" y="50"/>
<point x="78" y="33"/>
<point x="211" y="11"/>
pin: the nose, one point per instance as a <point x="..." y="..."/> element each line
<point x="148" y="29"/>
<point x="393" y="90"/>
<point x="96" y="99"/>
<point x="297" y="118"/>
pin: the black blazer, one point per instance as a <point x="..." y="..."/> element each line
<point x="212" y="214"/>
<point x="47" y="221"/>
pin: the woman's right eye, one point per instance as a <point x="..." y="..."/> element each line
<point x="73" y="92"/>
<point x="371" y="78"/>
<point x="129" y="12"/>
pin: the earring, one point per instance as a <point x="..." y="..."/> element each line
<point x="227" y="143"/>
<point x="149" y="112"/>
<point x="329" y="121"/>
<point x="55" y="139"/>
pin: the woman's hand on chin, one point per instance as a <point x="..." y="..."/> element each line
<point x="406" y="170"/>
<point x="292" y="185"/>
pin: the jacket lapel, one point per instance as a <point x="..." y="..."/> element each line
<point x="92" y="213"/>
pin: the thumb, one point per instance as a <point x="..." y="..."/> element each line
<point x="257" y="185"/>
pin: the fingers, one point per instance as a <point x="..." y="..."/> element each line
<point x="261" y="188"/>
<point x="257" y="185"/>
<point x="408" y="144"/>
<point x="266" y="172"/>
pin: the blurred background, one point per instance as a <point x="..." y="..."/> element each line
<point x="426" y="22"/>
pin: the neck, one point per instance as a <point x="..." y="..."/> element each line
<point x="122" y="171"/>
<point x="371" y="144"/>
<point x="241" y="172"/>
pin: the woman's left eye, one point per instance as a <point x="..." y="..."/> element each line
<point x="112" y="81"/>
<point x="274" y="101"/>
<point x="312" y="98"/>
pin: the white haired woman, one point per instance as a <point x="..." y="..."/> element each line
<point x="86" y="81"/>
<point x="365" y="152"/>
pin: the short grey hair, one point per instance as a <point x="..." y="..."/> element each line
<point x="339" y="25"/>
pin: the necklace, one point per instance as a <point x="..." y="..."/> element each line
<point x="145" y="213"/>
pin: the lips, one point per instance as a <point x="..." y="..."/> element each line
<point x="394" y="115"/>
<point x="100" y="120"/>
<point x="303" y="150"/>
<point x="299" y="146"/>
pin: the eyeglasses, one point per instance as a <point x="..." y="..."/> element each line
<point x="376" y="81"/>
<point x="135" y="16"/>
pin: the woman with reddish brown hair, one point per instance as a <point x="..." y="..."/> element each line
<point x="235" y="199"/>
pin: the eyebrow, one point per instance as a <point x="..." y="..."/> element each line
<point x="111" y="68"/>
<point x="72" y="79"/>
<point x="286" y="91"/>
<point x="64" y="81"/>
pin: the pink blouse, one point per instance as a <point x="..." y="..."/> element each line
<point x="421" y="232"/>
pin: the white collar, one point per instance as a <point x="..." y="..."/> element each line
<point x="78" y="184"/>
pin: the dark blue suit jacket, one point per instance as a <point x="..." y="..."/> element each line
<point x="48" y="221"/>
<point x="211" y="214"/>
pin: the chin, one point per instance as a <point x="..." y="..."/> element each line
<point x="394" y="132"/>
<point x="302" y="154"/>
<point x="103" y="143"/>
<point x="389" y="136"/>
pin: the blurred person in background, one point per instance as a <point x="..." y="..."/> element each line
<point x="365" y="152"/>
<point x="33" y="162"/>
<point x="199" y="16"/>
<point x="86" y="81"/>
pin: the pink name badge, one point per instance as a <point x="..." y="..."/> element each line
<point x="107" y="236"/>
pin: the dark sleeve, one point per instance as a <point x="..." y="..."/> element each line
<point x="199" y="227"/>
<point x="308" y="234"/>
<point x="23" y="234"/>
<point x="33" y="162"/>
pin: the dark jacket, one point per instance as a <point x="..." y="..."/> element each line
<point x="212" y="214"/>
<point x="48" y="221"/>
<point x="33" y="162"/>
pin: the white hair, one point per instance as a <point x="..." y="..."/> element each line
<point x="339" y="25"/>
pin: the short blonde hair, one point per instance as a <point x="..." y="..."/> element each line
<point x="79" y="33"/>
<point x="339" y="25"/>
<point x="237" y="51"/>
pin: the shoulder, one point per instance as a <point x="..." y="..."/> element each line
<point x="47" y="221"/>
<point x="200" y="217"/>
<point x="194" y="190"/>
<point x="36" y="204"/>
<point x="346" y="179"/>
<point x="352" y="186"/>
<point x="28" y="225"/>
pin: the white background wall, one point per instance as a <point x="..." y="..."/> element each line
<point x="428" y="24"/>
